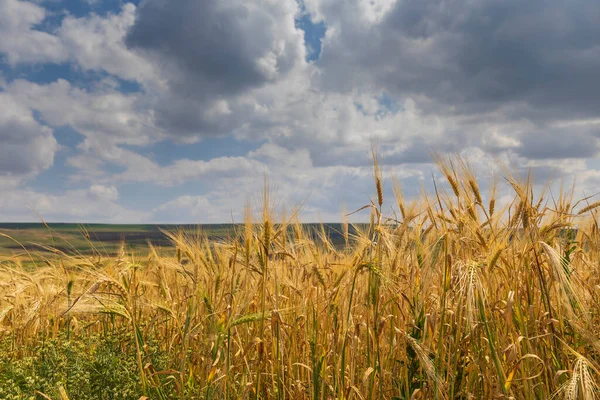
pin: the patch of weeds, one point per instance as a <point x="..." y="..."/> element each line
<point x="88" y="368"/>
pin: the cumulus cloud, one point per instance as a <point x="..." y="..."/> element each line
<point x="102" y="114"/>
<point x="21" y="42"/>
<point x="424" y="96"/>
<point x="499" y="71"/>
<point x="472" y="56"/>
<point x="96" y="43"/>
<point x="509" y="79"/>
<point x="27" y="147"/>
<point x="210" y="50"/>
<point x="235" y="44"/>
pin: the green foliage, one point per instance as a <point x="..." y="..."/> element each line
<point x="95" y="367"/>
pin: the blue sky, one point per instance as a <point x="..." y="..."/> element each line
<point x="155" y="111"/>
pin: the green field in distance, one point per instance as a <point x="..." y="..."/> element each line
<point x="26" y="240"/>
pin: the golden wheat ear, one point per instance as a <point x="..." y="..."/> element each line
<point x="377" y="176"/>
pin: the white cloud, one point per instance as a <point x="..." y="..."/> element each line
<point x="21" y="42"/>
<point x="142" y="169"/>
<point x="101" y="192"/>
<point x="103" y="115"/>
<point x="95" y="204"/>
<point x="361" y="12"/>
<point x="92" y="43"/>
<point x="185" y="209"/>
<point x="96" y="43"/>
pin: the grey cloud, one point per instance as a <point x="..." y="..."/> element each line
<point x="415" y="151"/>
<point x="22" y="153"/>
<point x="211" y="50"/>
<point x="544" y="174"/>
<point x="421" y="149"/>
<point x="183" y="110"/>
<point x="205" y="38"/>
<point x="26" y="147"/>
<point x="564" y="142"/>
<point x="475" y="56"/>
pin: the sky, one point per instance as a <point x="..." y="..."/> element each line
<point x="160" y="111"/>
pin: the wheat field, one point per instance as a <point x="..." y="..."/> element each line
<point x="453" y="297"/>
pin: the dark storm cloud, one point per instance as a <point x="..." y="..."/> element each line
<point x="475" y="56"/>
